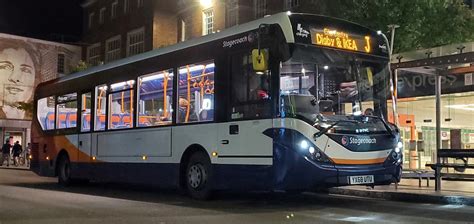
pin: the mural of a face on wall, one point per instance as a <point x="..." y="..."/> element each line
<point x="19" y="62"/>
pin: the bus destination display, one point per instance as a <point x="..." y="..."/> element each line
<point x="338" y="39"/>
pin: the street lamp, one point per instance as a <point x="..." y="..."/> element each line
<point x="392" y="28"/>
<point x="206" y="3"/>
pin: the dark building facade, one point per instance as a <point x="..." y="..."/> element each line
<point x="114" y="29"/>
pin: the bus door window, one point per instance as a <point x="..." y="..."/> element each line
<point x="66" y="111"/>
<point x="121" y="105"/>
<point x="251" y="90"/>
<point x="46" y="112"/>
<point x="196" y="92"/>
<point x="100" y="105"/>
<point x="155" y="94"/>
<point x="86" y="112"/>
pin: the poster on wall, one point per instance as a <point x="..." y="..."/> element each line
<point x="24" y="63"/>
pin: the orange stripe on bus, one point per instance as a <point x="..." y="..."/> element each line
<point x="358" y="161"/>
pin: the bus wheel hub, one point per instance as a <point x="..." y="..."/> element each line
<point x="196" y="175"/>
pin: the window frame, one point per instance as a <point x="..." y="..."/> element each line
<point x="208" y="20"/>
<point x="80" y="105"/>
<point x="90" y="21"/>
<point x="132" y="98"/>
<point x="113" y="9"/>
<point x="172" y="102"/>
<point x="113" y="51"/>
<point x="58" y="102"/>
<point x="94" y="117"/>
<point x="130" y="35"/>
<point x="102" y="15"/>
<point x="176" y="99"/>
<point x="126" y="6"/>
<point x="92" y="59"/>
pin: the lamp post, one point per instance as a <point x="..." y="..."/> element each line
<point x="392" y="28"/>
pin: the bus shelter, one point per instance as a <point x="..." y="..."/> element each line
<point x="435" y="109"/>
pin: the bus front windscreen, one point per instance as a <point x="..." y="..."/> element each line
<point x="337" y="86"/>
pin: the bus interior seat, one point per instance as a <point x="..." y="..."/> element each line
<point x="62" y="120"/>
<point x="71" y="120"/>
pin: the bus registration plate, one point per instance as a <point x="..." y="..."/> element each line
<point x="369" y="179"/>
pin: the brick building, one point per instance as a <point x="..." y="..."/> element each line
<point x="115" y="29"/>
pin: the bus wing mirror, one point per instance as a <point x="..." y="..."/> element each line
<point x="260" y="60"/>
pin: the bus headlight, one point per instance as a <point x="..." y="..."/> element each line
<point x="304" y="144"/>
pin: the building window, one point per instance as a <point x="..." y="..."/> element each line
<point x="112" y="48"/>
<point x="183" y="30"/>
<point x="121" y="105"/>
<point x="67" y="111"/>
<point x="196" y="92"/>
<point x="260" y="7"/>
<point x="126" y="6"/>
<point x="140" y="3"/>
<point x="155" y="96"/>
<point x="102" y="16"/>
<point x="136" y="41"/>
<point x="91" y="19"/>
<point x="232" y="13"/>
<point x="291" y="4"/>
<point x="61" y="62"/>
<point x="208" y="21"/>
<point x="113" y="9"/>
<point x="93" y="54"/>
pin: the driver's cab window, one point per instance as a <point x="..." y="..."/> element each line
<point x="251" y="90"/>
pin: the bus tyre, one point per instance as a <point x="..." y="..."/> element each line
<point x="198" y="176"/>
<point x="64" y="171"/>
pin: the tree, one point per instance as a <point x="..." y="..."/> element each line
<point x="423" y="23"/>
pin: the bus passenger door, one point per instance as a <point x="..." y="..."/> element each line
<point x="85" y="136"/>
<point x="249" y="113"/>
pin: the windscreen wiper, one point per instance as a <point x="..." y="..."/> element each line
<point x="325" y="130"/>
<point x="389" y="130"/>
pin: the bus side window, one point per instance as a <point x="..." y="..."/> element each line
<point x="46" y="113"/>
<point x="121" y="103"/>
<point x="86" y="112"/>
<point x="66" y="111"/>
<point x="196" y="92"/>
<point x="251" y="90"/>
<point x="155" y="94"/>
<point x="100" y="103"/>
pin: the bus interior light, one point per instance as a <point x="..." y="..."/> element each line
<point x="326" y="67"/>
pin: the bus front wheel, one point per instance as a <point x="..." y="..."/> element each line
<point x="64" y="171"/>
<point x="198" y="176"/>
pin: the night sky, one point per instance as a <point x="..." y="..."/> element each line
<point x="54" y="20"/>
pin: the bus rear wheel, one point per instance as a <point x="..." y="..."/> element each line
<point x="64" y="171"/>
<point x="198" y="176"/>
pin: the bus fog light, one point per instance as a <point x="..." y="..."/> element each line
<point x="304" y="144"/>
<point x="317" y="156"/>
<point x="399" y="145"/>
<point x="311" y="150"/>
<point x="397" y="150"/>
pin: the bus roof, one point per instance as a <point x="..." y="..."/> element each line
<point x="281" y="18"/>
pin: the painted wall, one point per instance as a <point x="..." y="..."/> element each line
<point x="24" y="63"/>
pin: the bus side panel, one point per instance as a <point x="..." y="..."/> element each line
<point x="149" y="143"/>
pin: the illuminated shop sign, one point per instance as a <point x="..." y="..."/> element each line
<point x="339" y="39"/>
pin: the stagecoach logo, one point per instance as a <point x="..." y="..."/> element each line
<point x="301" y="32"/>
<point x="345" y="140"/>
<point x="230" y="43"/>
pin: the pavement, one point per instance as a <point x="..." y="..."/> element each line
<point x="455" y="192"/>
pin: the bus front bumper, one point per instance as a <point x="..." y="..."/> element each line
<point x="294" y="171"/>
